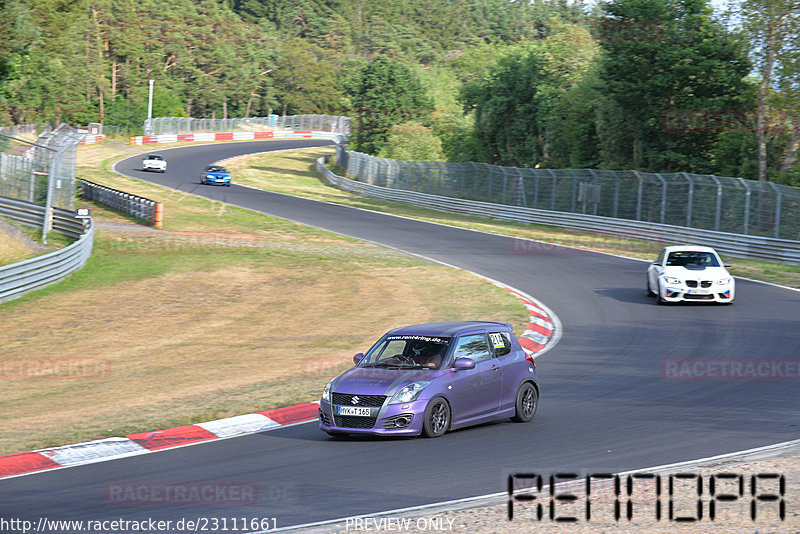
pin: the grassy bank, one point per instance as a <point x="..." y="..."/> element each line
<point x="224" y="312"/>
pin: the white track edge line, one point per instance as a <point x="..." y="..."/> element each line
<point x="468" y="500"/>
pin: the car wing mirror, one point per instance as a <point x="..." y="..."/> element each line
<point x="727" y="264"/>
<point x="462" y="364"/>
<point x="358" y="357"/>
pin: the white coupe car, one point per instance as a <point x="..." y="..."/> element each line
<point x="690" y="273"/>
<point x="154" y="162"/>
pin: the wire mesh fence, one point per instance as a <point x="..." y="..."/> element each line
<point x="43" y="170"/>
<point x="184" y="125"/>
<point x="708" y="202"/>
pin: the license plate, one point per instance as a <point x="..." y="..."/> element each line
<point x="699" y="291"/>
<point x="353" y="410"/>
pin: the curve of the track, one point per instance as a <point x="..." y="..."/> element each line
<point x="606" y="405"/>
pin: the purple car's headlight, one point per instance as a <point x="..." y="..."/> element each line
<point x="409" y="393"/>
<point x="326" y="393"/>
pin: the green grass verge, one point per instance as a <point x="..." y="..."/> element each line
<point x="224" y="312"/>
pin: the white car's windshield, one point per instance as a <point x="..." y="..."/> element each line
<point x="407" y="352"/>
<point x="692" y="260"/>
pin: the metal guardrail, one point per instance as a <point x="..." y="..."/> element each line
<point x="706" y="202"/>
<point x="35" y="273"/>
<point x="737" y="245"/>
<point x="136" y="206"/>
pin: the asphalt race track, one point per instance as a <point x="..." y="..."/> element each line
<point x="607" y="403"/>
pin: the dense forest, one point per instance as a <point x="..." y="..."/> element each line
<point x="655" y="85"/>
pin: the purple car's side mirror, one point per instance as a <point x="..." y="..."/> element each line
<point x="358" y="357"/>
<point x="462" y="364"/>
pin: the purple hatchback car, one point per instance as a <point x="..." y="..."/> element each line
<point x="430" y="378"/>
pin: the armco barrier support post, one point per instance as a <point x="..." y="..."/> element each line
<point x="159" y="218"/>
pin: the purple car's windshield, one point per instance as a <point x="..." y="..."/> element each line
<point x="407" y="352"/>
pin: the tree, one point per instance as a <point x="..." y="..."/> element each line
<point x="523" y="105"/>
<point x="305" y="79"/>
<point x="774" y="30"/>
<point x="679" y="59"/>
<point x="385" y="93"/>
<point x="411" y="141"/>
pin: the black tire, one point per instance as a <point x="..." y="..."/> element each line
<point x="660" y="300"/>
<point x="527" y="403"/>
<point x="437" y="418"/>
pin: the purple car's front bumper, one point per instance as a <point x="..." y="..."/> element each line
<point x="386" y="420"/>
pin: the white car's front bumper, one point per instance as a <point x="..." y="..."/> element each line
<point x="715" y="292"/>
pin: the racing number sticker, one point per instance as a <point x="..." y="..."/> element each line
<point x="497" y="341"/>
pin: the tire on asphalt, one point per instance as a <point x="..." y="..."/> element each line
<point x="527" y="403"/>
<point x="650" y="292"/>
<point x="437" y="418"/>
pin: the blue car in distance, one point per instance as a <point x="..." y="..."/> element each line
<point x="427" y="379"/>
<point x="216" y="174"/>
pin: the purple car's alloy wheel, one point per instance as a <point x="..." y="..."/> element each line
<point x="527" y="403"/>
<point x="437" y="418"/>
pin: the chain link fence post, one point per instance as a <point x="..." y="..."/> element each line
<point x="747" y="195"/>
<point x="778" y="199"/>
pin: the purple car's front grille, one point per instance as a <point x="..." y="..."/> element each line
<point x="346" y="399"/>
<point x="349" y="421"/>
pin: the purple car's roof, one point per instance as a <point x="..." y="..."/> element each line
<point x="449" y="329"/>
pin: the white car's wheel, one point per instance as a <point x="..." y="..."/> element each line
<point x="659" y="299"/>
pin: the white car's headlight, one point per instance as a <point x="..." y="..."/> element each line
<point x="326" y="392"/>
<point x="724" y="281"/>
<point x="672" y="280"/>
<point x="409" y="393"/>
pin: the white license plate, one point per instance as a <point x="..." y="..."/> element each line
<point x="353" y="410"/>
<point x="699" y="291"/>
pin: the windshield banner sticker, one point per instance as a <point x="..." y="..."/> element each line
<point x="428" y="339"/>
